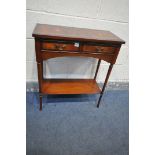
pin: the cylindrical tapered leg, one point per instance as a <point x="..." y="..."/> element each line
<point x="105" y="83"/>
<point x="40" y="100"/>
<point x="98" y="65"/>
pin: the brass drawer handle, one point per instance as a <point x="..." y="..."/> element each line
<point x="60" y="47"/>
<point x="101" y="50"/>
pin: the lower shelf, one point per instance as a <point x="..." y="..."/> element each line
<point x="70" y="86"/>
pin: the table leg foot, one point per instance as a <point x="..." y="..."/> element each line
<point x="99" y="101"/>
<point x="40" y="99"/>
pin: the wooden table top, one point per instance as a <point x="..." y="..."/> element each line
<point x="77" y="34"/>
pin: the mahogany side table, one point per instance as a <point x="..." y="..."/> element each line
<point x="53" y="41"/>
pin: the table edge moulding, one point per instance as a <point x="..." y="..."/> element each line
<point x="52" y="41"/>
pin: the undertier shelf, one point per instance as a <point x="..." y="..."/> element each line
<point x="70" y="86"/>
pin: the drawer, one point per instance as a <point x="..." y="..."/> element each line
<point x="99" y="49"/>
<point x="59" y="46"/>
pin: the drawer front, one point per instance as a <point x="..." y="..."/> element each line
<point x="59" y="46"/>
<point x="99" y="49"/>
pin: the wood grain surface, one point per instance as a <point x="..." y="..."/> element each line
<point x="70" y="86"/>
<point x="72" y="33"/>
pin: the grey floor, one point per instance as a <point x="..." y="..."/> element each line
<point x="72" y="125"/>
